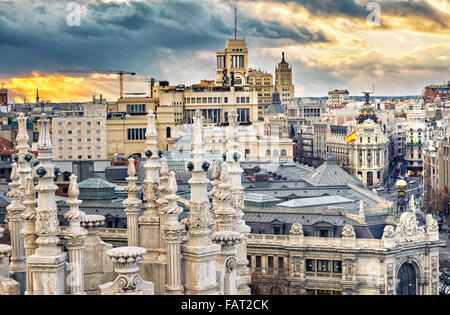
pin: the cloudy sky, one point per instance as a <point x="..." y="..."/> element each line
<point x="329" y="43"/>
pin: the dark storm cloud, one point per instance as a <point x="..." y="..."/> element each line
<point x="34" y="35"/>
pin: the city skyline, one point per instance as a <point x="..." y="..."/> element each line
<point x="329" y="44"/>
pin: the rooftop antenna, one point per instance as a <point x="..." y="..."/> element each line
<point x="235" y="21"/>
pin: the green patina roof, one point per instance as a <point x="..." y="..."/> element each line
<point x="95" y="183"/>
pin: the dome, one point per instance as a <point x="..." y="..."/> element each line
<point x="367" y="112"/>
<point x="438" y="101"/>
<point x="401" y="184"/>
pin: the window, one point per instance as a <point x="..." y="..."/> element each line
<point x="310" y="265"/>
<point x="280" y="263"/>
<point x="337" y="266"/>
<point x="283" y="152"/>
<point x="134" y="134"/>
<point x="270" y="262"/>
<point x="258" y="261"/>
<point x="323" y="266"/>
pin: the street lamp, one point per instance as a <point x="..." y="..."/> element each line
<point x="401" y="202"/>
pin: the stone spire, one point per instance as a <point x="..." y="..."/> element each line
<point x="172" y="231"/>
<point x="151" y="171"/>
<point x="23" y="157"/>
<point x="237" y="202"/>
<point x="132" y="205"/>
<point x="15" y="209"/>
<point x="75" y="236"/>
<point x="199" y="219"/>
<point x="48" y="262"/>
<point x="215" y="184"/>
<point x="29" y="230"/>
<point x="199" y="253"/>
<point x="163" y="191"/>
<point x="225" y="214"/>
<point x="150" y="228"/>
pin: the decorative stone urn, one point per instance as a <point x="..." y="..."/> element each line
<point x="128" y="281"/>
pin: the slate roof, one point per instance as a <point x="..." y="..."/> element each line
<point x="275" y="107"/>
<point x="330" y="174"/>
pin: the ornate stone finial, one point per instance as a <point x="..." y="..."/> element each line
<point x="151" y="125"/>
<point x="74" y="191"/>
<point x="227" y="239"/>
<point x="216" y="171"/>
<point x="44" y="142"/>
<point x="164" y="167"/>
<point x="224" y="175"/>
<point x="92" y="221"/>
<point x="1" y="232"/>
<point x="296" y="229"/>
<point x="14" y="172"/>
<point x="131" y="168"/>
<point x="198" y="129"/>
<point x="348" y="232"/>
<point x="128" y="281"/>
<point x="172" y="187"/>
<point x="22" y="135"/>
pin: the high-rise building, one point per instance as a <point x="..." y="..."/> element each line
<point x="283" y="81"/>
<point x="261" y="82"/>
<point x="232" y="64"/>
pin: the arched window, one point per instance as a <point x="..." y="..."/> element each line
<point x="268" y="152"/>
<point x="283" y="152"/>
<point x="276" y="153"/>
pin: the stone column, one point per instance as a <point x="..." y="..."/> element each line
<point x="15" y="209"/>
<point x="29" y="230"/>
<point x="172" y="230"/>
<point x="234" y="168"/>
<point x="97" y="268"/>
<point x="75" y="236"/>
<point x="132" y="205"/>
<point x="199" y="253"/>
<point x="48" y="263"/>
<point x="150" y="233"/>
<point x="128" y="281"/>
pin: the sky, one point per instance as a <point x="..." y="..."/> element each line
<point x="397" y="46"/>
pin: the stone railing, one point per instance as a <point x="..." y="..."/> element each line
<point x="281" y="240"/>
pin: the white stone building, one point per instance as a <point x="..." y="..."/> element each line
<point x="80" y="137"/>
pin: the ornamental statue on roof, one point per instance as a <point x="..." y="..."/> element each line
<point x="367" y="112"/>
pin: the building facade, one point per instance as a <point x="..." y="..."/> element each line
<point x="261" y="82"/>
<point x="404" y="262"/>
<point x="232" y="64"/>
<point x="338" y="98"/>
<point x="283" y="81"/>
<point x="81" y="137"/>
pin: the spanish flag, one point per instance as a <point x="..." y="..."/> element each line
<point x="351" y="138"/>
